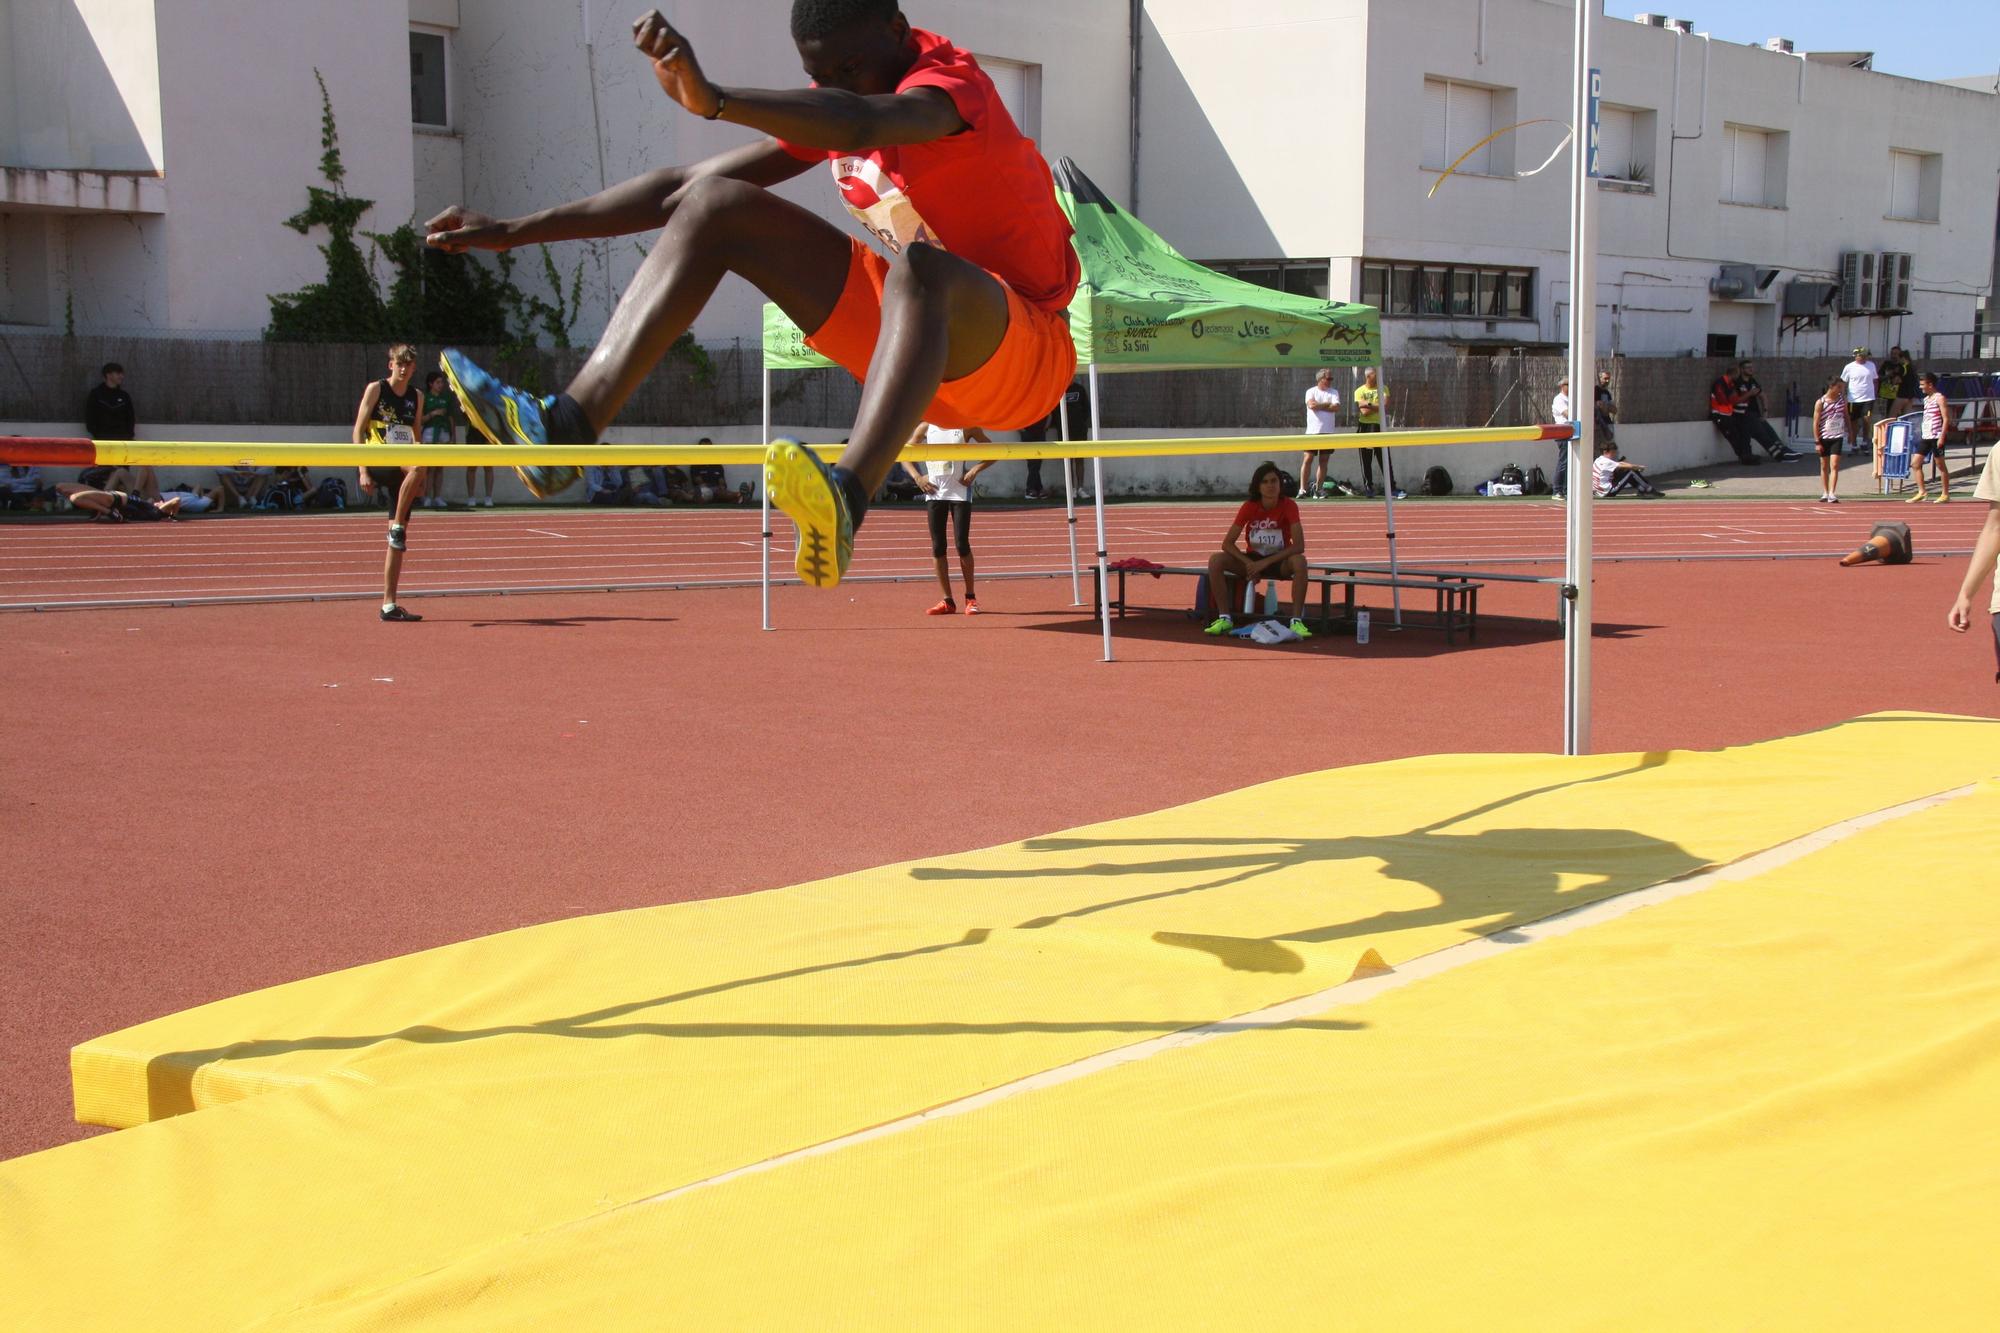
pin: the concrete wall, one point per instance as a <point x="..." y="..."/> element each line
<point x="79" y="85"/>
<point x="1336" y="102"/>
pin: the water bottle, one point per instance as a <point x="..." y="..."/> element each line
<point x="1361" y="627"/>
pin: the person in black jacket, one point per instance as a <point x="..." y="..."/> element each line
<point x="108" y="414"/>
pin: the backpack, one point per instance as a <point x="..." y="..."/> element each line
<point x="1538" y="484"/>
<point x="1288" y="485"/>
<point x="1511" y="475"/>
<point x="1437" y="481"/>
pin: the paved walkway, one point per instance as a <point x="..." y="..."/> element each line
<point x="1800" y="478"/>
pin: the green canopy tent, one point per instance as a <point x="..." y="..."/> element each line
<point x="1142" y="305"/>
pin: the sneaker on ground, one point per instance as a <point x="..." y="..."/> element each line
<point x="945" y="608"/>
<point x="972" y="606"/>
<point x="1220" y="625"/>
<point x="1298" y="627"/>
<point x="395" y="612"/>
<point x="805" y="488"/>
<point x="505" y="415"/>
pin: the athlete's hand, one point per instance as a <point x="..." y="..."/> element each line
<point x="459" y="229"/>
<point x="926" y="485"/>
<point x="1961" y="615"/>
<point x="674" y="65"/>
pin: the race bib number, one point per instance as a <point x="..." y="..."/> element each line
<point x="400" y="434"/>
<point x="879" y="204"/>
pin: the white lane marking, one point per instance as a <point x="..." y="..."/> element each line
<point x="544" y="532"/>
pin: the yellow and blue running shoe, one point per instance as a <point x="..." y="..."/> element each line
<point x="807" y="490"/>
<point x="505" y="415"/>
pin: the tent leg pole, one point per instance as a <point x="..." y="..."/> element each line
<point x="764" y="504"/>
<point x="1069" y="513"/>
<point x="1389" y="507"/>
<point x="1097" y="486"/>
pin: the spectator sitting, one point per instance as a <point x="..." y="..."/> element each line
<point x="1724" y="396"/>
<point x="605" y="486"/>
<point x="288" y="488"/>
<point x="711" y="484"/>
<point x="117" y="506"/>
<point x="1750" y="410"/>
<point x="1274" y="547"/>
<point x="1611" y="474"/>
<point x="244" y="487"/>
<point x="22" y="488"/>
<point x="649" y="485"/>
<point x="189" y="501"/>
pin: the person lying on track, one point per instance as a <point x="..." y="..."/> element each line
<point x="1274" y="547"/>
<point x="965" y="326"/>
<point x="117" y="506"/>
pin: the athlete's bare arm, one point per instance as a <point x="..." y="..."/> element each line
<point x="644" y="203"/>
<point x="817" y="117"/>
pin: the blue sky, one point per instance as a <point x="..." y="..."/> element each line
<point x="1938" y="39"/>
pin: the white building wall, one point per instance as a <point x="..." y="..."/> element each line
<point x="1254" y="97"/>
<point x="79" y="85"/>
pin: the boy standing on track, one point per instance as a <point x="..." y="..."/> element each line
<point x="1930" y="441"/>
<point x="1830" y="435"/>
<point x="388" y="415"/>
<point x="966" y="326"/>
<point x="1985" y="552"/>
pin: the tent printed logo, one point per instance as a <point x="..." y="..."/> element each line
<point x="1346" y="335"/>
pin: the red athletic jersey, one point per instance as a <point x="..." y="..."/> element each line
<point x="984" y="193"/>
<point x="1266" y="531"/>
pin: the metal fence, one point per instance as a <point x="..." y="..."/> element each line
<point x="44" y="377"/>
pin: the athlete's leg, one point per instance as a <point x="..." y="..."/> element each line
<point x="961" y="527"/>
<point x="722" y="226"/>
<point x="415" y="483"/>
<point x="934" y="515"/>
<point x="942" y="319"/>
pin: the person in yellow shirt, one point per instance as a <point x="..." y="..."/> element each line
<point x="1368" y="402"/>
<point x="1985" y="552"/>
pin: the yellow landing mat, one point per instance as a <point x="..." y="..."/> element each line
<point x="1770" y="1105"/>
<point x="364" y="1129"/>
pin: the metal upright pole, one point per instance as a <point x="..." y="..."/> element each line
<point x="766" y="501"/>
<point x="1389" y="496"/>
<point x="1586" y="91"/>
<point x="1069" y="510"/>
<point x="1097" y="486"/>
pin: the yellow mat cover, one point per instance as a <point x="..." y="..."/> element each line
<point x="424" y="1115"/>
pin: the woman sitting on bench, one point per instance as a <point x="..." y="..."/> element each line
<point x="1274" y="546"/>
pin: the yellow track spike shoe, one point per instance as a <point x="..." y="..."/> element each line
<point x="807" y="491"/>
<point x="505" y="415"/>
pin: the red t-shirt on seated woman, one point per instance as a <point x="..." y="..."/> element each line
<point x="1265" y="531"/>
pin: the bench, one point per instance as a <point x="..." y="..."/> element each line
<point x="1557" y="581"/>
<point x="1456" y="608"/>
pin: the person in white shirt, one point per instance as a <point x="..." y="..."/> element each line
<point x="1322" y="417"/>
<point x="1560" y="414"/>
<point x="1860" y="376"/>
<point x="1830" y="433"/>
<point x="1610" y="474"/>
<point x="947" y="488"/>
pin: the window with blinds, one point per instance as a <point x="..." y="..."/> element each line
<point x="1914" y="185"/>
<point x="1457" y="116"/>
<point x="1461" y="291"/>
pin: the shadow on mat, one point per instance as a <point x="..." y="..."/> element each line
<point x="1487" y="882"/>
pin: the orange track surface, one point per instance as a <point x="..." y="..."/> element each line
<point x="207" y="800"/>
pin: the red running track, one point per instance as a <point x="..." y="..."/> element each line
<point x="46" y="564"/>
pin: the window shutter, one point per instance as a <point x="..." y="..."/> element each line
<point x="1746" y="166"/>
<point x="1614" y="141"/>
<point x="1906" y="172"/>
<point x="1469" y="119"/>
<point x="1434" y="116"/>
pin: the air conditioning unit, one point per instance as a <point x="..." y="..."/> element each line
<point x="1857" y="282"/>
<point x="1892" y="282"/>
<point x="1651" y="20"/>
<point x="1681" y="25"/>
<point x="1806" y="297"/>
<point x="1782" y="45"/>
<point x="1741" y="282"/>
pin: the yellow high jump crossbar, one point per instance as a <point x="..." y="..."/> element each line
<point x="72" y="452"/>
